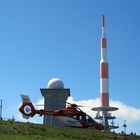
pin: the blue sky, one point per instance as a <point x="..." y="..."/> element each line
<point x="43" y="39"/>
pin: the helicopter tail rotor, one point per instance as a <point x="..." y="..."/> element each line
<point x="27" y="109"/>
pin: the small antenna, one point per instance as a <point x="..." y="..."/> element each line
<point x="103" y="20"/>
<point x="103" y="26"/>
<point x="0" y="109"/>
<point x="124" y="126"/>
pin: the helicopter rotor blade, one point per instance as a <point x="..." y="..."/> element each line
<point x="39" y="105"/>
<point x="75" y="105"/>
<point x="49" y="105"/>
<point x="72" y="104"/>
<point x="69" y="103"/>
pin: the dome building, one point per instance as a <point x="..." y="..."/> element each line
<point x="55" y="96"/>
<point x="55" y="83"/>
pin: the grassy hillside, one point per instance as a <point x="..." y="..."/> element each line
<point x="29" y="131"/>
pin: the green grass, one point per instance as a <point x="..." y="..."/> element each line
<point x="29" y="131"/>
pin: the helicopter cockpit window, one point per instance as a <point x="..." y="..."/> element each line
<point x="82" y="118"/>
<point x="87" y="118"/>
<point x="90" y="120"/>
<point x="76" y="117"/>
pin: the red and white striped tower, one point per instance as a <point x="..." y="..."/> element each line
<point x="104" y="91"/>
<point x="104" y="86"/>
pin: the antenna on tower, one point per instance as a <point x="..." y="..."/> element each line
<point x="103" y="26"/>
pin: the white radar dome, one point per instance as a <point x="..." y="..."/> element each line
<point x="55" y="83"/>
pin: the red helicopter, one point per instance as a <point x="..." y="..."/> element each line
<point x="71" y="116"/>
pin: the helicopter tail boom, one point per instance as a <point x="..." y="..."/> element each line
<point x="28" y="110"/>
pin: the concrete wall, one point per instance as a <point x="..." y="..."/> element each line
<point x="55" y="99"/>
